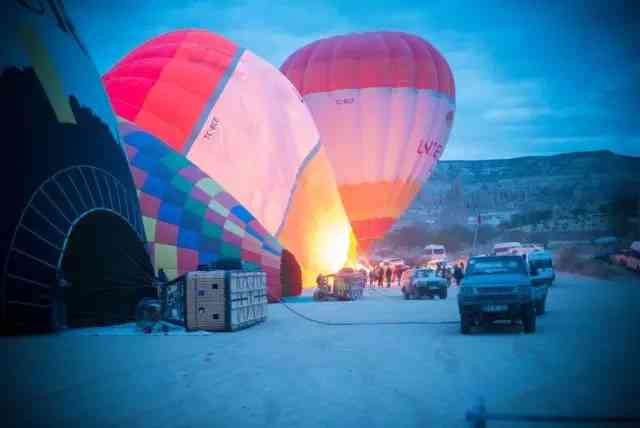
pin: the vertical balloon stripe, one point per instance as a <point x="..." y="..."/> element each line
<point x="317" y="229"/>
<point x="47" y="75"/>
<point x="301" y="169"/>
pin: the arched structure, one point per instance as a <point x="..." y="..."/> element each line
<point x="65" y="164"/>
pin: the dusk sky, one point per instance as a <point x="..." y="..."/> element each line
<point x="532" y="78"/>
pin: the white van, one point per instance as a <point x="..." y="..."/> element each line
<point x="505" y="248"/>
<point x="541" y="267"/>
<point x="435" y="253"/>
<point x="526" y="249"/>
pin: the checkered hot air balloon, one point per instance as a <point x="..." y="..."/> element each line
<point x="189" y="220"/>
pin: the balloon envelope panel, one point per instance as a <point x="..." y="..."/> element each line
<point x="317" y="229"/>
<point x="189" y="219"/>
<point x="384" y="105"/>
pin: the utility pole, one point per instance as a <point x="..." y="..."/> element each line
<point x="475" y="235"/>
<point x="474" y="206"/>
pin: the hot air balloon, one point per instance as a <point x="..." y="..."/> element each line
<point x="239" y="120"/>
<point x="73" y="241"/>
<point x="189" y="219"/>
<point x="384" y="104"/>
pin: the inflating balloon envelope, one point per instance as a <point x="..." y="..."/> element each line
<point x="240" y="121"/>
<point x="384" y="104"/>
<point x="189" y="219"/>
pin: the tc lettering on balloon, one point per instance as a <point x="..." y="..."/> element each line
<point x="212" y="128"/>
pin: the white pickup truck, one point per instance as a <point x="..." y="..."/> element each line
<point x="505" y="248"/>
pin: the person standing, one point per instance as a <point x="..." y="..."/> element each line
<point x="399" y="270"/>
<point x="458" y="274"/>
<point x="388" y="274"/>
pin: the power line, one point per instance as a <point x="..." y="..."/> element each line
<point x="360" y="323"/>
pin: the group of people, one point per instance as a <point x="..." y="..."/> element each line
<point x="385" y="275"/>
<point x="456" y="274"/>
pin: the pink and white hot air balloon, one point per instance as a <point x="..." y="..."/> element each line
<point x="240" y="121"/>
<point x="384" y="104"/>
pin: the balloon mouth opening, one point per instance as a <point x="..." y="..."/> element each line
<point x="332" y="246"/>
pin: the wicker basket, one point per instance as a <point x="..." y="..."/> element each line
<point x="216" y="300"/>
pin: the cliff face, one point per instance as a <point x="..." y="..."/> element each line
<point x="582" y="180"/>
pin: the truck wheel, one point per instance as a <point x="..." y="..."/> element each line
<point x="465" y="324"/>
<point x="529" y="320"/>
<point x="443" y="294"/>
<point x="541" y="306"/>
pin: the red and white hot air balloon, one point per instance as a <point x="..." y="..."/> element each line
<point x="384" y="104"/>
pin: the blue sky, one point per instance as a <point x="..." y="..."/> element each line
<point x="532" y="78"/>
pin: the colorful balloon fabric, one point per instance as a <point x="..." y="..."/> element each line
<point x="384" y="104"/>
<point x="188" y="218"/>
<point x="243" y="123"/>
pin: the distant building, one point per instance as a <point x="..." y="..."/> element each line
<point x="495" y="218"/>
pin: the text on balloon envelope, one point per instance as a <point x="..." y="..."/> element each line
<point x="432" y="148"/>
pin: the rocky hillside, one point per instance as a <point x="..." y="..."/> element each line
<point x="566" y="182"/>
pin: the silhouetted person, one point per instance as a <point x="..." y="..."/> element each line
<point x="388" y="273"/>
<point x="458" y="274"/>
<point x="398" y="273"/>
<point x="162" y="277"/>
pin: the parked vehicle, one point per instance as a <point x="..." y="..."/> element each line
<point x="347" y="284"/>
<point x="541" y="267"/>
<point x="542" y="276"/>
<point x="505" y="248"/>
<point x="421" y="282"/>
<point x="526" y="249"/>
<point x="434" y="253"/>
<point x="620" y="257"/>
<point x="633" y="259"/>
<point x="497" y="288"/>
<point x="629" y="258"/>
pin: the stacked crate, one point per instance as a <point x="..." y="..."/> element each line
<point x="220" y="300"/>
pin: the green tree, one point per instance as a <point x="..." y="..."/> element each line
<point x="620" y="212"/>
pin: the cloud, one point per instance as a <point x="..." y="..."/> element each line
<point x="517" y="114"/>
